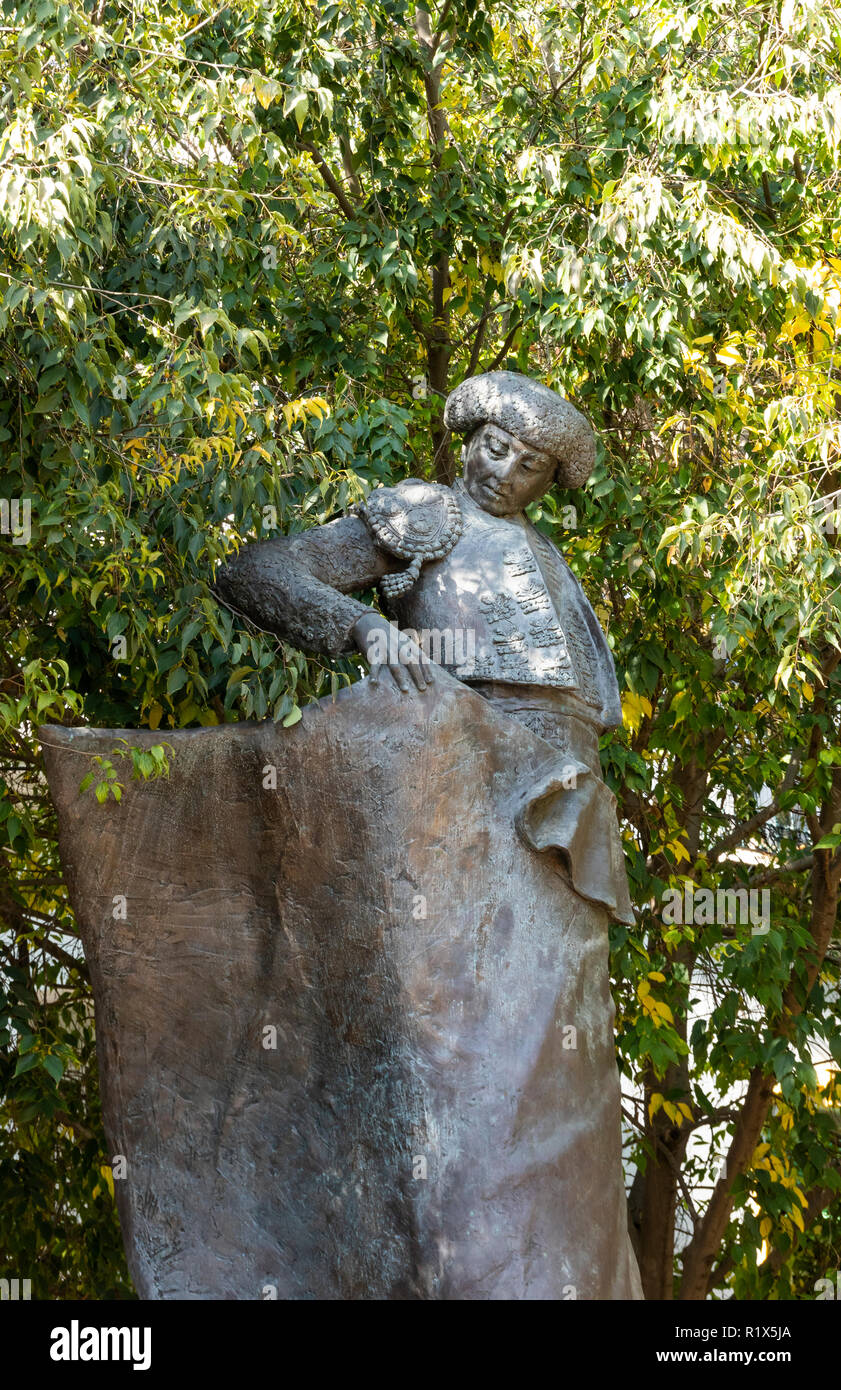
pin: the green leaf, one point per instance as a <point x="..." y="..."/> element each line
<point x="239" y="674"/>
<point x="296" y="105"/>
<point x="53" y="1065"/>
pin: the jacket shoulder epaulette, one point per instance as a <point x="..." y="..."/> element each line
<point x="415" y="521"/>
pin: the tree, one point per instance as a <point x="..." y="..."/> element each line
<point x="246" y="252"/>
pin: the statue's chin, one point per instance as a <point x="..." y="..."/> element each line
<point x="495" y="508"/>
<point x="488" y="503"/>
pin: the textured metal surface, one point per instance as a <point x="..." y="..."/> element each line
<point x="503" y="581"/>
<point x="440" y="1116"/>
<point x="531" y="411"/>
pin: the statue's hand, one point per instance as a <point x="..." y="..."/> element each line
<point x="385" y="647"/>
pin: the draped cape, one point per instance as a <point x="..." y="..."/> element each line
<point x="354" y="1029"/>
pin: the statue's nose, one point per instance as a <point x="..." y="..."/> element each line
<point x="503" y="467"/>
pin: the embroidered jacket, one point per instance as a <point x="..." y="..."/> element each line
<point x="516" y="611"/>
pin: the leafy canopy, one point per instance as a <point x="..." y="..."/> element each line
<point x="245" y="253"/>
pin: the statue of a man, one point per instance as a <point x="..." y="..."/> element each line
<point x="412" y="890"/>
<point x="464" y="568"/>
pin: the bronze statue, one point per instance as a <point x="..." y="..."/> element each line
<point x="478" y="570"/>
<point x="351" y="979"/>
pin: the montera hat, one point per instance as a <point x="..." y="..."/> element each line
<point x="530" y="411"/>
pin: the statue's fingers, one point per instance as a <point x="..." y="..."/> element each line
<point x="400" y="680"/>
<point x="422" y="662"/>
<point x="416" y="671"/>
<point x="374" y="672"/>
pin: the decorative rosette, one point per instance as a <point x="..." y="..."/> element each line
<point x="414" y="521"/>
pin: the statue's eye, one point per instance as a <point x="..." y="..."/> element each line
<point x="497" y="448"/>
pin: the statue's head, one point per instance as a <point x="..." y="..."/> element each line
<point x="520" y="439"/>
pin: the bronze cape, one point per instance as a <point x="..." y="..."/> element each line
<point x="355" y="1029"/>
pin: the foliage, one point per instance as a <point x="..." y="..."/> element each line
<point x="245" y="253"/>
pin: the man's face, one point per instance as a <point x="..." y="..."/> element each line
<point x="502" y="474"/>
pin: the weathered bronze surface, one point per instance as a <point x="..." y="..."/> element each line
<point x="440" y="1116"/>
<point x="355" y="1029"/>
<point x="481" y="590"/>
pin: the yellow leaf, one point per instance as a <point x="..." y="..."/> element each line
<point x="155" y="715"/>
<point x="797" y="1218"/>
<point x="634" y="707"/>
<point x="265" y="89"/>
<point x="105" y="1170"/>
<point x="765" y="1227"/>
<point x="654" y="1104"/>
<point x="656" y="975"/>
<point x="681" y="705"/>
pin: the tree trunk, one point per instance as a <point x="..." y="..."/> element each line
<point x="438" y="345"/>
<point x="700" y="1256"/>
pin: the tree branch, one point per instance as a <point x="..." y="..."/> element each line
<point x="64" y="958"/>
<point x="440" y="31"/>
<point x="699" y="1255"/>
<point x="743" y="832"/>
<point x="793" y="866"/>
<point x="330" y="179"/>
<point x="503" y="351"/>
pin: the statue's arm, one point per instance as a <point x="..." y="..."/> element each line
<point x="299" y="586"/>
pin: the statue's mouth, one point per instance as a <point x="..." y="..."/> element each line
<point x="494" y="492"/>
